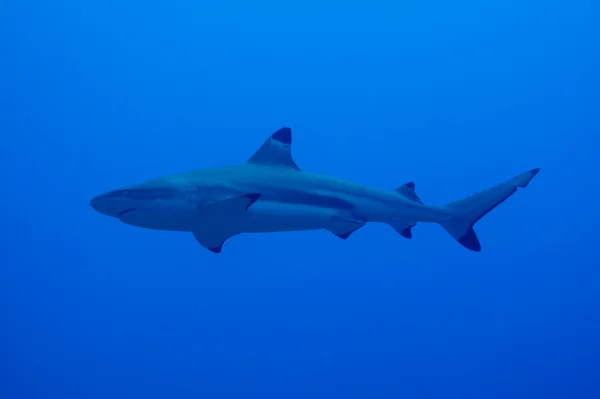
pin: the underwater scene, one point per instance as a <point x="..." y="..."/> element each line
<point x="228" y="199"/>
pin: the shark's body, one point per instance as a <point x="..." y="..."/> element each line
<point x="269" y="193"/>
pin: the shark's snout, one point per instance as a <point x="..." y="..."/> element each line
<point x="115" y="203"/>
<point x="108" y="204"/>
<point x="159" y="208"/>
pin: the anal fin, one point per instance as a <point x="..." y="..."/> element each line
<point x="403" y="227"/>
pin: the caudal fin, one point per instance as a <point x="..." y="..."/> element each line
<point x="469" y="210"/>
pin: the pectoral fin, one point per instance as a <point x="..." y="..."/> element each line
<point x="229" y="208"/>
<point x="218" y="221"/>
<point x="211" y="240"/>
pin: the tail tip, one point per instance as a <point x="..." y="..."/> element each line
<point x="528" y="176"/>
<point x="534" y="172"/>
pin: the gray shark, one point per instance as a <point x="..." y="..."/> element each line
<point x="269" y="193"/>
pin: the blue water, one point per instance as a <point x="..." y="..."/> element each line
<point x="454" y="96"/>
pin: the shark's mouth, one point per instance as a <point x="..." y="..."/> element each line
<point x="124" y="212"/>
<point x="157" y="219"/>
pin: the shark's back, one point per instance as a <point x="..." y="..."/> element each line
<point x="281" y="184"/>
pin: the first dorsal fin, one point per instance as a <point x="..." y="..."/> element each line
<point x="276" y="151"/>
<point x="408" y="190"/>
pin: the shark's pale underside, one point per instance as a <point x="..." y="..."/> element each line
<point x="270" y="193"/>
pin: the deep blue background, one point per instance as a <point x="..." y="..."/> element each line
<point x="456" y="96"/>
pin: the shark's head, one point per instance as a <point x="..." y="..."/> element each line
<point x="155" y="204"/>
<point x="118" y="202"/>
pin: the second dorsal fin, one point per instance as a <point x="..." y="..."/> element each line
<point x="408" y="190"/>
<point x="276" y="151"/>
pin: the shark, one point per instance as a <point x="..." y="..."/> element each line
<point x="270" y="193"/>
